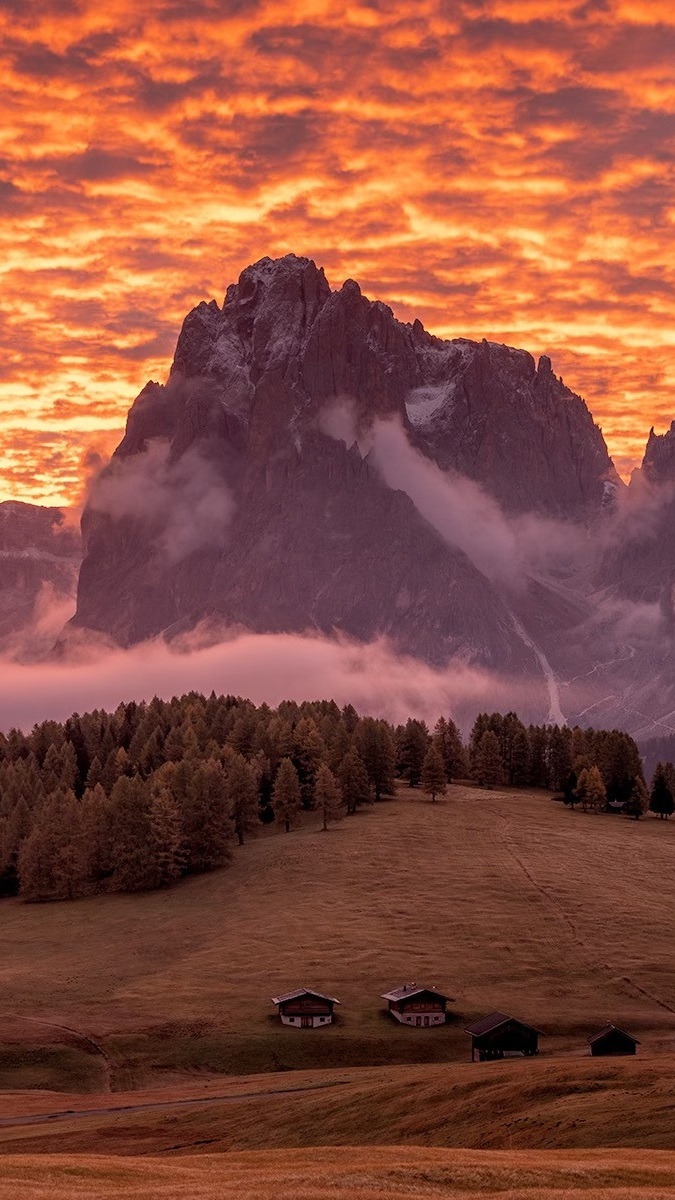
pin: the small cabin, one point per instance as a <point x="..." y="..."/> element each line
<point x="612" y="1041"/>
<point x="305" y="1009"/>
<point x="501" y="1036"/>
<point x="420" y="1006"/>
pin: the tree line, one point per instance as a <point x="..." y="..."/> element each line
<point x="136" y="798"/>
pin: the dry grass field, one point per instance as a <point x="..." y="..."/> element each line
<point x="406" y="1174"/>
<point x="504" y="899"/>
<point x="515" y="1105"/>
<point x="144" y="1059"/>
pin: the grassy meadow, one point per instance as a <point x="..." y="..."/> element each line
<point x="502" y="899"/>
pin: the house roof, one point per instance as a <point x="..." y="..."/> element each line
<point x="412" y="989"/>
<point x="493" y="1021"/>
<point x="609" y="1028"/>
<point x="302" y="992"/>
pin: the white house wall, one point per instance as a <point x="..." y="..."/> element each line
<point x="412" y="1018"/>
<point x="296" y="1022"/>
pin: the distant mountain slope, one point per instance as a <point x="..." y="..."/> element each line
<point x="39" y="564"/>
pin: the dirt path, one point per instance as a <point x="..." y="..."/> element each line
<point x="91" y="1045"/>
<point x="158" y="1105"/>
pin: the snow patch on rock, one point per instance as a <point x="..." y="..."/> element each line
<point x="423" y="402"/>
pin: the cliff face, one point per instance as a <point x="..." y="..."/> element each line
<point x="39" y="564"/>
<point x="313" y="537"/>
<point x="640" y="563"/>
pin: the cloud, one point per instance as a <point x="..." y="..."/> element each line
<point x="496" y="169"/>
<point x="187" y="503"/>
<point x="504" y="548"/>
<point x="51" y="609"/>
<point x="267" y="668"/>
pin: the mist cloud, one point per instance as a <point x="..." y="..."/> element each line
<point x="261" y="667"/>
<point x="186" y="502"/>
<point x="504" y="548"/>
<point x="35" y="639"/>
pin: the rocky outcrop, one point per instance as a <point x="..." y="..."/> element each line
<point x="640" y="560"/>
<point x="39" y="563"/>
<point x="658" y="464"/>
<point x="515" y="428"/>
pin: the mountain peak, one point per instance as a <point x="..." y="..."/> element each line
<point x="658" y="464"/>
<point x="285" y="508"/>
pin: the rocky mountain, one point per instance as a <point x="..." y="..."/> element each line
<point x="39" y="563"/>
<point x="313" y="464"/>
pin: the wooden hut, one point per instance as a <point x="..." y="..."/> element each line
<point x="612" y="1041"/>
<point x="305" y="1009"/>
<point x="413" y="1005"/>
<point x="499" y="1035"/>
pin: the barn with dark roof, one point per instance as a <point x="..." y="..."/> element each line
<point x="499" y="1036"/>
<point x="612" y="1041"/>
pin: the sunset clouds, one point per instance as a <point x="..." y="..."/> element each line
<point x="500" y="168"/>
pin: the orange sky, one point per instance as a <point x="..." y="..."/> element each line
<point x="502" y="168"/>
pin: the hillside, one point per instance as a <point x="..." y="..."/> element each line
<point x="504" y="900"/>
<point x="555" y="1103"/>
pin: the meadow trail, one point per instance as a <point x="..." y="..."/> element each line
<point x="83" y="1038"/>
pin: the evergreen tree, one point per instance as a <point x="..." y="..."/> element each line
<point x="131" y="869"/>
<point x="52" y="861"/>
<point x="451" y="746"/>
<point x="286" y="794"/>
<point x="480" y="726"/>
<point x="242" y="793"/>
<point x="559" y="757"/>
<point x="520" y="758"/>
<point x="413" y="745"/>
<point x="338" y="747"/>
<point x="243" y="733"/>
<point x="328" y="795"/>
<point x="433" y="778"/>
<point x="205" y="815"/>
<point x="68" y="769"/>
<point x="661" y="799"/>
<point x="97" y="831"/>
<point x="621" y="765"/>
<point x="14" y="831"/>
<point x="95" y="773"/>
<point x="538" y="767"/>
<point x="51" y="769"/>
<point x="376" y="748"/>
<point x="488" y="766"/>
<point x="308" y="752"/>
<point x="354" y="781"/>
<point x="638" y="802"/>
<point x="166" y="855"/>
